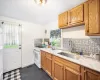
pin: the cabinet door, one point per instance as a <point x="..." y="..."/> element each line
<point x="76" y="15"/>
<point x="91" y="75"/>
<point x="43" y="60"/>
<point x="94" y="16"/>
<point x="58" y="71"/>
<point x="49" y="65"/>
<point x="70" y="74"/>
<point x="60" y="20"/>
<point x="63" y="20"/>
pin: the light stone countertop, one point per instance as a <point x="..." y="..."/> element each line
<point x="86" y="62"/>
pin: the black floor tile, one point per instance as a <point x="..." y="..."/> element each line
<point x="34" y="73"/>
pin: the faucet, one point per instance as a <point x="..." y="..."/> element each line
<point x="70" y="46"/>
<point x="95" y="56"/>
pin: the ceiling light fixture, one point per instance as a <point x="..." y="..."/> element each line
<point x="41" y="2"/>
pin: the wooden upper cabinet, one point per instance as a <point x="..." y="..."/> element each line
<point x="92" y="17"/>
<point x="72" y="17"/>
<point x="63" y="20"/>
<point x="76" y="15"/>
<point x="91" y="75"/>
<point x="60" y="21"/>
<point x="70" y="74"/>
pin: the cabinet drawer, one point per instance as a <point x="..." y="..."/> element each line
<point x="48" y="55"/>
<point x="68" y="63"/>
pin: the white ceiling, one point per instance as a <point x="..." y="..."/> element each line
<point x="27" y="10"/>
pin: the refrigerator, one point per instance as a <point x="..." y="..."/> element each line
<point x="1" y="54"/>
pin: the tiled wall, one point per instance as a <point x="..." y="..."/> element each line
<point x="88" y="46"/>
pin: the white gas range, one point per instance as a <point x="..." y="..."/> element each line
<point x="36" y="50"/>
<point x="37" y="56"/>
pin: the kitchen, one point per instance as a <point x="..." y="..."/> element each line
<point x="36" y="44"/>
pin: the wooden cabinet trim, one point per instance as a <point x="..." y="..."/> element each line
<point x="73" y="71"/>
<point x="68" y="63"/>
<point x="48" y="55"/>
<point x="59" y="63"/>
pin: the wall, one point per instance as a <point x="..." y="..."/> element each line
<point x="49" y="27"/>
<point x="29" y="32"/>
<point x="85" y="45"/>
<point x="75" y="32"/>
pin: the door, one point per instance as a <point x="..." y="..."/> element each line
<point x="43" y="60"/>
<point x="70" y="74"/>
<point x="94" y="16"/>
<point x="91" y="75"/>
<point x="60" y="21"/>
<point x="37" y="58"/>
<point x="63" y="20"/>
<point x="11" y="59"/>
<point x="58" y="71"/>
<point x="76" y="15"/>
<point x="1" y="65"/>
<point x="49" y="64"/>
<point x="12" y="46"/>
<point x="1" y="53"/>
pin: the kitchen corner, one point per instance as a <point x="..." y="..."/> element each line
<point x="49" y="39"/>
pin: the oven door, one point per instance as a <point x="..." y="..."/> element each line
<point x="37" y="58"/>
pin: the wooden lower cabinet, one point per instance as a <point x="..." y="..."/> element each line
<point x="46" y="62"/>
<point x="43" y="60"/>
<point x="58" y="71"/>
<point x="91" y="75"/>
<point x="70" y="74"/>
<point x="49" y="66"/>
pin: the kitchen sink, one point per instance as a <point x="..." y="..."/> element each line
<point x="69" y="55"/>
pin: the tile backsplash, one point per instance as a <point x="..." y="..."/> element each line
<point x="87" y="46"/>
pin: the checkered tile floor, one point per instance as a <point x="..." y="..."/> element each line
<point x="12" y="75"/>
